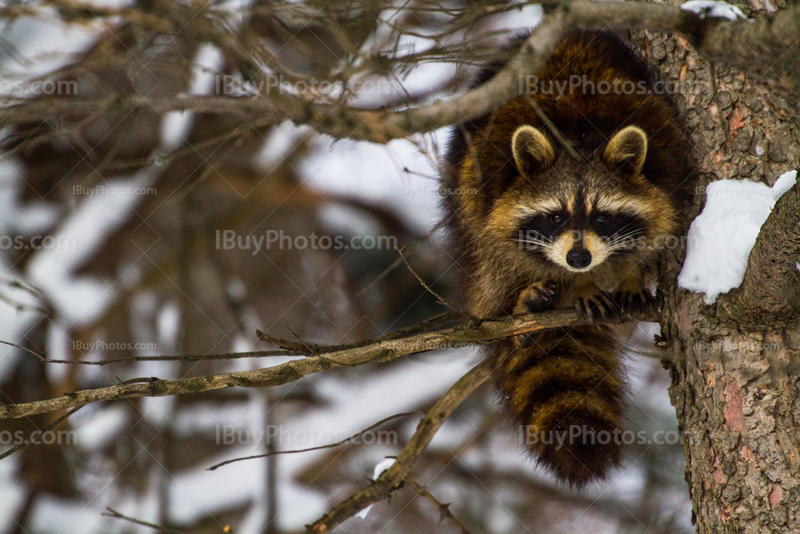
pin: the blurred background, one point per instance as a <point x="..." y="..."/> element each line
<point x="139" y="233"/>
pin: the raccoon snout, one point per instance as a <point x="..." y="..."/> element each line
<point x="579" y="258"/>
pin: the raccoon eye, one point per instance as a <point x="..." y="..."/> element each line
<point x="556" y="218"/>
<point x="601" y="219"/>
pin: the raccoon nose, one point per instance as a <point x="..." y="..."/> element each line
<point x="579" y="258"/>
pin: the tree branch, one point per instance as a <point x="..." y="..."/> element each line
<point x="393" y="477"/>
<point x="718" y="41"/>
<point x="379" y="350"/>
<point x="770" y="291"/>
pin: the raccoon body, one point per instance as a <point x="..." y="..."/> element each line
<point x="532" y="227"/>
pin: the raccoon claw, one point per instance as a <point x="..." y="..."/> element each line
<point x="633" y="302"/>
<point x="536" y="298"/>
<point x="596" y="308"/>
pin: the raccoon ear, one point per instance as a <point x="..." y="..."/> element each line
<point x="628" y="145"/>
<point x="532" y="151"/>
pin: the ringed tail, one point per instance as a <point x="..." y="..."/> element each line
<point x="566" y="393"/>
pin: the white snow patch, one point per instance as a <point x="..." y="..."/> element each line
<point x="785" y="182"/>
<point x="396" y="175"/>
<point x="721" y="237"/>
<point x="13" y="322"/>
<point x="382" y="466"/>
<point x="355" y="405"/>
<point x="12" y="494"/>
<point x="36" y="216"/>
<point x="157" y="411"/>
<point x="713" y="9"/>
<point x="83" y="299"/>
<point x="168" y="324"/>
<point x="223" y="419"/>
<point x="42" y="46"/>
<point x="101" y="427"/>
<point x="207" y="62"/>
<point x="278" y="144"/>
<point x="177" y="124"/>
<point x="52" y="514"/>
<point x="197" y="493"/>
<point x="58" y="348"/>
<point x="174" y="129"/>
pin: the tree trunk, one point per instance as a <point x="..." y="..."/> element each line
<point x="734" y="387"/>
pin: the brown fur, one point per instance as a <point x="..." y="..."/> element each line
<point x="634" y="166"/>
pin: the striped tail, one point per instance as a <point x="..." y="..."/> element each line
<point x="565" y="392"/>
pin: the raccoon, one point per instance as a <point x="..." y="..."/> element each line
<point x="531" y="227"/>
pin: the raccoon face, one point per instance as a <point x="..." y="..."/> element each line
<point x="578" y="215"/>
<point x="579" y="236"/>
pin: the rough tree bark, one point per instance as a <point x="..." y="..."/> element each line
<point x="734" y="384"/>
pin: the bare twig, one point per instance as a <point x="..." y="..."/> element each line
<point x="396" y="263"/>
<point x="48" y="428"/>
<point x="291" y="346"/>
<point x="444" y="509"/>
<point x="116" y="515"/>
<point x="566" y="143"/>
<point x="377" y="351"/>
<point x="297" y="349"/>
<point x="443" y="301"/>
<point x="328" y="446"/>
<point x="177" y="358"/>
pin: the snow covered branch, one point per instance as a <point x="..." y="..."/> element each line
<point x="380" y="349"/>
<point x="770" y="291"/>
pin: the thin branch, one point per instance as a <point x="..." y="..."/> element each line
<point x="443" y="301"/>
<point x="294" y="347"/>
<point x="393" y="477"/>
<point x="177" y="358"/>
<point x="377" y="351"/>
<point x="566" y="143"/>
<point x="116" y="515"/>
<point x="444" y="509"/>
<point x="328" y="446"/>
<point x="48" y="428"/>
<point x="396" y="263"/>
<point x="297" y="349"/>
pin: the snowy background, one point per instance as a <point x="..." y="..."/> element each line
<point x="134" y="268"/>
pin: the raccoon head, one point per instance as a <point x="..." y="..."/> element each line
<point x="580" y="214"/>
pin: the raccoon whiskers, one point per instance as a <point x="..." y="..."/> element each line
<point x="534" y="242"/>
<point x="619" y="238"/>
<point x="624" y="241"/>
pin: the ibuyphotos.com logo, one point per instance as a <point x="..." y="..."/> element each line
<point x="583" y="435"/>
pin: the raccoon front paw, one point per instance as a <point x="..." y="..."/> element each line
<point x="597" y="308"/>
<point x="605" y="307"/>
<point x="534" y="298"/>
<point x="633" y="301"/>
